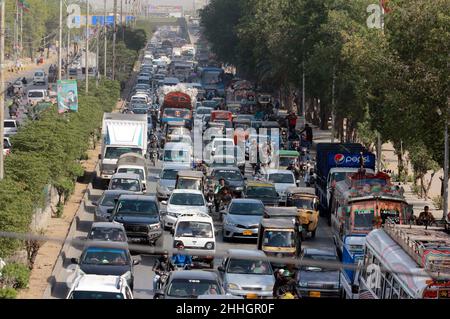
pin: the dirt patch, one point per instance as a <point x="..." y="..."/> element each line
<point x="58" y="228"/>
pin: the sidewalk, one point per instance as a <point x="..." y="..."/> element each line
<point x="27" y="67"/>
<point x="389" y="160"/>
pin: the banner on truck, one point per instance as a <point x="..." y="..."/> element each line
<point x="67" y="96"/>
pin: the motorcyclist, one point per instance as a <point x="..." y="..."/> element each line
<point x="221" y="194"/>
<point x="162" y="265"/>
<point x="285" y="286"/>
<point x="182" y="260"/>
<point x="24" y="81"/>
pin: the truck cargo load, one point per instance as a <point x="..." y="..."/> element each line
<point x="122" y="133"/>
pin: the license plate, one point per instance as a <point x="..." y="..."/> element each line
<point x="247" y="232"/>
<point x="315" y="294"/>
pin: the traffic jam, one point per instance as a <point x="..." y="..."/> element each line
<point x="232" y="198"/>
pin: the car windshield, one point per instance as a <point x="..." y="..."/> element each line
<point x="116" y="152"/>
<point x="109" y="200"/>
<point x="304" y="203"/>
<point x="279" y="239"/>
<point x="104" y="256"/>
<point x="188" y="183"/>
<point x="176" y="156"/>
<point x="254" y="209"/>
<point x="137" y="171"/>
<point x="194" y="229"/>
<point x="9" y="124"/>
<point x="204" y="110"/>
<point x="262" y="191"/>
<point x="187" y="199"/>
<point x="95" y="295"/>
<point x="137" y="207"/>
<point x="126" y="184"/>
<point x="249" y="267"/>
<point x="107" y="234"/>
<point x="170" y="174"/>
<point x="280" y="178"/>
<point x="363" y="217"/>
<point x="140" y="111"/>
<point x="285" y="161"/>
<point x="229" y="175"/>
<point x="319" y="258"/>
<point x="192" y="288"/>
<point x="39" y="74"/>
<point x="35" y="94"/>
<point x="211" y="77"/>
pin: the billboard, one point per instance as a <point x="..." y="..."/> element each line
<point x="67" y="91"/>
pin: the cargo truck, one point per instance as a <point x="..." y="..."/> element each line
<point x="122" y="133"/>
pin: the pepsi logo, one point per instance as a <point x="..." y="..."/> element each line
<point x="339" y="158"/>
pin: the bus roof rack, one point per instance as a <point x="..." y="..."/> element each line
<point x="429" y="247"/>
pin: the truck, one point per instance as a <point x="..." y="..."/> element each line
<point x="122" y="133"/>
<point x="178" y="103"/>
<point x="334" y="163"/>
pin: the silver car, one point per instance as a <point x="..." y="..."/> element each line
<point x="242" y="276"/>
<point x="242" y="218"/>
<point x="166" y="181"/>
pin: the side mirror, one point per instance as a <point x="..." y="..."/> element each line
<point x="221" y="269"/>
<point x="94" y="203"/>
<point x="74" y="261"/>
<point x="164" y="202"/>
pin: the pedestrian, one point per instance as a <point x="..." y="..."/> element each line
<point x="309" y="135"/>
<point x="292" y="121"/>
<point x="426" y="217"/>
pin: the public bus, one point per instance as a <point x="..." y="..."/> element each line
<point x="212" y="79"/>
<point x="406" y="262"/>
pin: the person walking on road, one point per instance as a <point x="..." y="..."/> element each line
<point x="309" y="135"/>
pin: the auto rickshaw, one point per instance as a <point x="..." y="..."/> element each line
<point x="285" y="158"/>
<point x="307" y="203"/>
<point x="190" y="180"/>
<point x="280" y="232"/>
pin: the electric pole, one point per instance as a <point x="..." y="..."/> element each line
<point x="121" y="20"/>
<point x="97" y="72"/>
<point x="114" y="42"/>
<point x="2" y="83"/>
<point x="446" y="160"/>
<point x="86" y="67"/>
<point x="333" y="116"/>
<point x="21" y="32"/>
<point x="106" y="39"/>
<point x="60" y="40"/>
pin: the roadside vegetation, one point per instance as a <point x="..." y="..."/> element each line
<point x="393" y="81"/>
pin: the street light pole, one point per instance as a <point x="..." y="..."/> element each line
<point x="446" y="160"/>
<point x="60" y="40"/>
<point x="114" y="42"/>
<point x="2" y="83"/>
<point x="106" y="40"/>
<point x="86" y="66"/>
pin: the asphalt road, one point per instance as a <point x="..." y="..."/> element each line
<point x="143" y="272"/>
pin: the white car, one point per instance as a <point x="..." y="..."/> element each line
<point x="100" y="287"/>
<point x="183" y="201"/>
<point x="282" y="179"/>
<point x="212" y="147"/>
<point x="10" y="127"/>
<point x="36" y="96"/>
<point x="195" y="231"/>
<point x="140" y="98"/>
<point x="39" y="77"/>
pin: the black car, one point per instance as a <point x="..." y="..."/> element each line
<point x="232" y="176"/>
<point x="317" y="282"/>
<point x="264" y="191"/>
<point x="190" y="284"/>
<point x="139" y="214"/>
<point x="100" y="258"/>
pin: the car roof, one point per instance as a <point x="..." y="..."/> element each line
<point x="323" y="252"/>
<point x="107" y="225"/>
<point x="194" y="274"/>
<point x="173" y="167"/>
<point x="225" y="168"/>
<point x="176" y="145"/>
<point x="126" y="175"/>
<point x="198" y="217"/>
<point x="260" y="183"/>
<point x="88" y="282"/>
<point x="279" y="171"/>
<point x="246" y="200"/>
<point x="189" y="191"/>
<point x="138" y="197"/>
<point x="245" y="253"/>
<point x="106" y="245"/>
<point x="116" y="192"/>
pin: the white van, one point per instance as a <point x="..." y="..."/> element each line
<point x="195" y="231"/>
<point x="178" y="153"/>
<point x="135" y="164"/>
<point x="39" y="77"/>
<point x="36" y="96"/>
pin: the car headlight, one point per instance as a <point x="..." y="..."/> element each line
<point x="239" y="188"/>
<point x="233" y="286"/>
<point x="303" y="284"/>
<point x="229" y="223"/>
<point x="155" y="226"/>
<point x="172" y="214"/>
<point x="209" y="245"/>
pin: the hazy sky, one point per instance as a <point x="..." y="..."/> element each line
<point x="185" y="3"/>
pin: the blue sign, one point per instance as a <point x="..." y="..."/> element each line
<point x="350" y="160"/>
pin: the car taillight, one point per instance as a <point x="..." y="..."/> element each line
<point x="430" y="294"/>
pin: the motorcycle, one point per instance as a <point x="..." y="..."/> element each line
<point x="162" y="279"/>
<point x="154" y="156"/>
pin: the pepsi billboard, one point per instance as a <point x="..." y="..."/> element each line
<point x="350" y="160"/>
